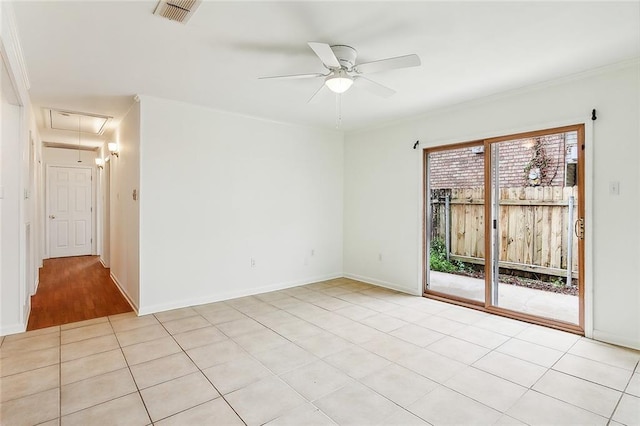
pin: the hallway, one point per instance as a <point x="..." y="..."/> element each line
<point x="74" y="289"/>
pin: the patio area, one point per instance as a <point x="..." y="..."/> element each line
<point x="526" y="300"/>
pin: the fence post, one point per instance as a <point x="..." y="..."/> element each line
<point x="447" y="224"/>
<point x="570" y="240"/>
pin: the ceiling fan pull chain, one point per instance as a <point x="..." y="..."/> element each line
<point x="338" y="111"/>
<point x="79" y="124"/>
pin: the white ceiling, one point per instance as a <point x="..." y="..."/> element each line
<point x="94" y="56"/>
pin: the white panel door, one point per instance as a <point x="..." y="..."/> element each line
<point x="69" y="192"/>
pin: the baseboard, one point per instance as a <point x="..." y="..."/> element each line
<point x="125" y="294"/>
<point x="616" y="339"/>
<point x="13" y="329"/>
<point x="381" y="283"/>
<point x="27" y="313"/>
<point x="145" y="310"/>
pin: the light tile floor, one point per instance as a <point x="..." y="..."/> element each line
<point x="336" y="352"/>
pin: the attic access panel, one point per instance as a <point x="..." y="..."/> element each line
<point x="72" y="121"/>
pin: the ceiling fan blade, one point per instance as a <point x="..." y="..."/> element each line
<point x="314" y="98"/>
<point x="373" y="87"/>
<point x="326" y="55"/>
<point x="405" y="61"/>
<point x="292" y="76"/>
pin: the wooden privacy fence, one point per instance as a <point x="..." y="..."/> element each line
<point x="534" y="227"/>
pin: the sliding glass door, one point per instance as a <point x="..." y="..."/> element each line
<point x="455" y="237"/>
<point x="526" y="260"/>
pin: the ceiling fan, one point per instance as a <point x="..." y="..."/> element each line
<point x="343" y="72"/>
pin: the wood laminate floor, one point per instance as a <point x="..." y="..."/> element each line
<point x="74" y="289"/>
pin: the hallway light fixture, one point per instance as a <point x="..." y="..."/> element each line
<point x="100" y="163"/>
<point x="113" y="148"/>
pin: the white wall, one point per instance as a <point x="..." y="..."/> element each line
<point x="103" y="211"/>
<point x="124" y="212"/>
<point x="68" y="157"/>
<point x="383" y="183"/>
<point x="218" y="189"/>
<point x="20" y="229"/>
<point x="10" y="253"/>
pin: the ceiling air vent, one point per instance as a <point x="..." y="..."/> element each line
<point x="177" y="10"/>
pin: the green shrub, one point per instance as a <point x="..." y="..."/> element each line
<point x="557" y="282"/>
<point x="438" y="258"/>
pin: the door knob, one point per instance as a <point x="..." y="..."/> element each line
<point x="51" y="216"/>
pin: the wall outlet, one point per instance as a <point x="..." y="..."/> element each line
<point x="380" y="257"/>
<point x="614" y="188"/>
<point x="253" y="262"/>
<point x="313" y="252"/>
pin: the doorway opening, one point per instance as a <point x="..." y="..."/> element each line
<point x="75" y="284"/>
<point x="69" y="210"/>
<point x="504" y="226"/>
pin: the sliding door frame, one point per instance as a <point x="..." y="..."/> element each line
<point x="489" y="261"/>
<point x="426" y="228"/>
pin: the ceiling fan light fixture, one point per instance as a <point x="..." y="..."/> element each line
<point x="339" y="81"/>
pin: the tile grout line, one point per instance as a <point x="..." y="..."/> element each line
<point x="353" y="379"/>
<point x="131" y="373"/>
<point x="623" y="393"/>
<point x="183" y="351"/>
<point x="599" y="362"/>
<point x="282" y="336"/>
<point x="438" y="383"/>
<point x="201" y="372"/>
<point x="290" y="341"/>
<point x="295" y="344"/>
<point x="569" y="403"/>
<point x="252" y="316"/>
<point x="591" y="381"/>
<point x="32" y="392"/>
<point x="530" y="387"/>
<point x="472" y="365"/>
<point x="89" y="378"/>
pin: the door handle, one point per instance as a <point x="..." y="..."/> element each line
<point x="578" y="228"/>
<point x="51" y="216"/>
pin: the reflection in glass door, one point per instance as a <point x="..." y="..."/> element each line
<point x="534" y="210"/>
<point x="455" y="236"/>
